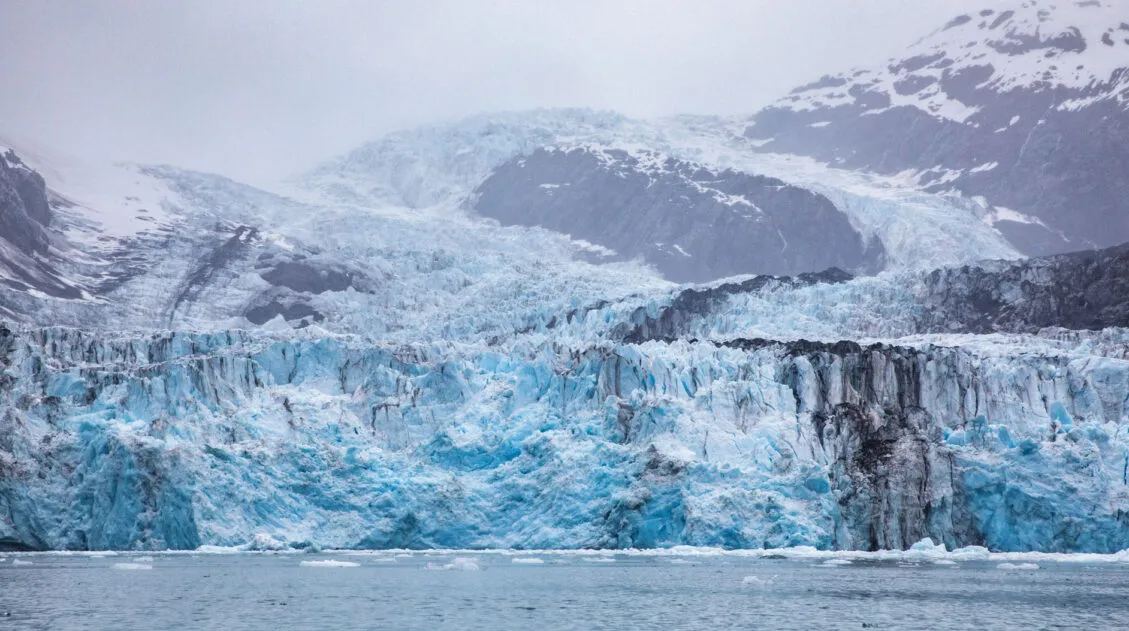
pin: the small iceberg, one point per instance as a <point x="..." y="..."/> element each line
<point x="144" y="559"/>
<point x="527" y="561"/>
<point x="755" y="581"/>
<point x="836" y="562"/>
<point x="1017" y="566"/>
<point x="463" y="564"/>
<point x="132" y="566"/>
<point x="19" y="562"/>
<point x="217" y="550"/>
<point x="599" y="559"/>
<point x="329" y="563"/>
<point x="926" y="546"/>
<point x="263" y="542"/>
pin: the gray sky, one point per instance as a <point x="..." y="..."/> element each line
<point x="258" y="88"/>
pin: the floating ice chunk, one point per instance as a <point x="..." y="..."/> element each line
<point x="329" y="563"/>
<point x="262" y="542"/>
<point x="384" y="559"/>
<point x="463" y="563"/>
<point x="19" y="562"/>
<point x="834" y="562"/>
<point x="527" y="561"/>
<point x="144" y="559"/>
<point x="756" y="581"/>
<point x="971" y="553"/>
<point x="683" y="562"/>
<point x="132" y="566"/>
<point x="1017" y="566"/>
<point x="927" y="545"/>
<point x="403" y="555"/>
<point x="217" y="550"/>
<point x="599" y="559"/>
<point x="944" y="562"/>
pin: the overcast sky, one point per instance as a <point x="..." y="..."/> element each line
<point x="258" y="88"/>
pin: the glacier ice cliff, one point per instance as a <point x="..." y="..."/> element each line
<point x="174" y="440"/>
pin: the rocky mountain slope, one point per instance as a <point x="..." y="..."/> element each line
<point x="1025" y="104"/>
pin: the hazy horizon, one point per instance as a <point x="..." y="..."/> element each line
<point x="256" y="90"/>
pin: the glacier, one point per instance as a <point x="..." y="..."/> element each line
<point x="176" y="440"/>
<point x="422" y="378"/>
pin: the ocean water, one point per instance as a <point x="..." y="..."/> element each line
<point x="548" y="592"/>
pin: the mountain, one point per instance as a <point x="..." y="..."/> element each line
<point x="568" y="328"/>
<point x="686" y="195"/>
<point x="1025" y="105"/>
<point x="691" y="222"/>
<point x="370" y="362"/>
<point x="26" y="242"/>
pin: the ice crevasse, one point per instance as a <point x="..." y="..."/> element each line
<point x="176" y="440"/>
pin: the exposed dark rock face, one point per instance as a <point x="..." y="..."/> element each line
<point x="26" y="262"/>
<point x="24" y="210"/>
<point x="296" y="311"/>
<point x="693" y="224"/>
<point x="305" y="277"/>
<point x="672" y="321"/>
<point x="1083" y="290"/>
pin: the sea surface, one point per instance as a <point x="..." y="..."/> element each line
<point x="546" y="592"/>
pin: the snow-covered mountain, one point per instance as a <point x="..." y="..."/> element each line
<point x="25" y="240"/>
<point x="588" y="195"/>
<point x="1024" y="104"/>
<point x="473" y="334"/>
<point x="688" y="195"/>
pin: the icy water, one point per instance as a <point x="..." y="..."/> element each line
<point x="548" y="592"/>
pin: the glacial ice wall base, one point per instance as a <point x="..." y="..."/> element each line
<point x="171" y="440"/>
